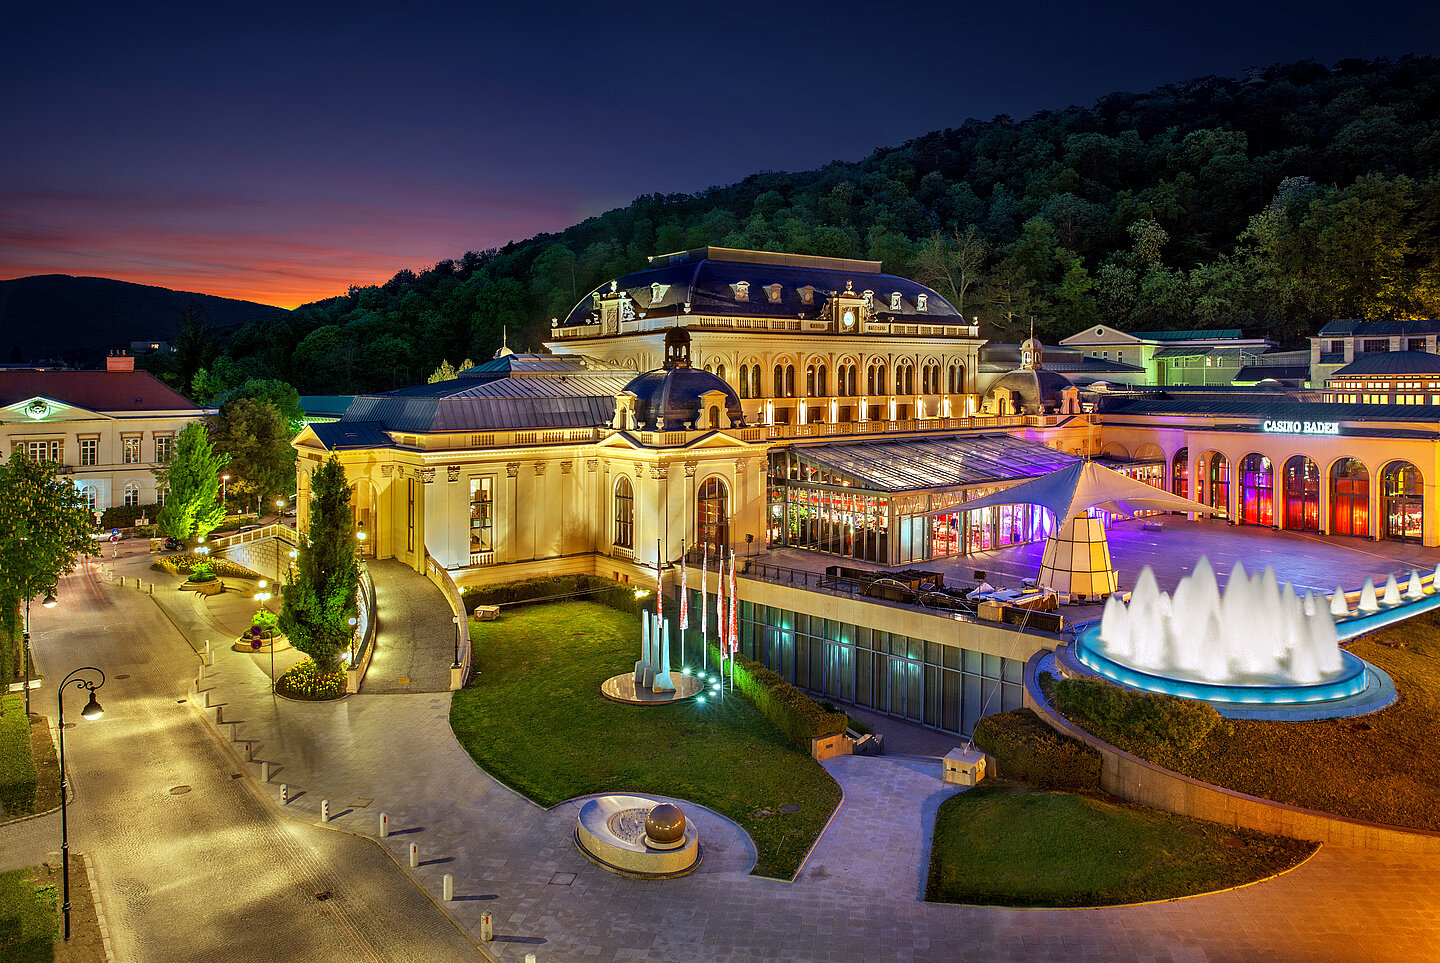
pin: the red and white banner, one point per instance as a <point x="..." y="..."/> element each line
<point x="734" y="633"/>
<point x="684" y="593"/>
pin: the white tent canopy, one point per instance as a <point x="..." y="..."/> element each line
<point x="1084" y="485"/>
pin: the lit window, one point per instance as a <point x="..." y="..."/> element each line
<point x="131" y="451"/>
<point x="481" y="515"/>
<point x="89" y="452"/>
<point x="132" y="493"/>
<point x="162" y="448"/>
<point x="624" y="513"/>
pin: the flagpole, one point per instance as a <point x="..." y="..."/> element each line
<point x="704" y="603"/>
<point x="684" y="605"/>
<point x="734" y="614"/>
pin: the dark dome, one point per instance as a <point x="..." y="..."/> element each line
<point x="674" y="394"/>
<point x="1037" y="390"/>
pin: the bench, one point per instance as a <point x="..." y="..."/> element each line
<point x="1152" y="526"/>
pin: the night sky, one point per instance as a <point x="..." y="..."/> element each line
<point x="283" y="152"/>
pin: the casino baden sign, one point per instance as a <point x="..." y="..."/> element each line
<point x="1276" y="427"/>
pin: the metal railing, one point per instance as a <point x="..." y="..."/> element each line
<point x="440" y="576"/>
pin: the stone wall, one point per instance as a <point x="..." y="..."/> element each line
<point x="1132" y="778"/>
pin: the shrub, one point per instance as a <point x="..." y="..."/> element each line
<point x="266" y="620"/>
<point x="1030" y="751"/>
<point x="204" y="572"/>
<point x="17" y="763"/>
<point x="591" y="588"/>
<point x="1139" y="718"/>
<point x="304" y="680"/>
<point x="791" y="711"/>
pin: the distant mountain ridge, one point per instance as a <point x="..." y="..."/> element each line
<point x="80" y="318"/>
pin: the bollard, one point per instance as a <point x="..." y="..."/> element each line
<point x="264" y="772"/>
<point x="207" y="698"/>
<point x="384" y="825"/>
<point x="487" y="930"/>
<point x="529" y="958"/>
<point x="201" y="674"/>
<point x="324" y="810"/>
<point x="447" y="890"/>
<point x="249" y="752"/>
<point x="284" y="793"/>
<point x="219" y="715"/>
<point x="414" y="855"/>
<point x="152" y="588"/>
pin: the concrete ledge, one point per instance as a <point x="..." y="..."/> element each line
<point x="1132" y="778"/>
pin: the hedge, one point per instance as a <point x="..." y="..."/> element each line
<point x="556" y="588"/>
<point x="123" y="516"/>
<point x="793" y="712"/>
<point x="1143" y="718"/>
<point x="1029" y="751"/>
<point x="18" y="777"/>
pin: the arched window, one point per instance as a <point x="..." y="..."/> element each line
<point x="822" y="382"/>
<point x="880" y="380"/>
<point x="712" y="518"/>
<point x="1350" y="498"/>
<point x="1180" y="474"/>
<point x="1302" y="495"/>
<point x="810" y="381"/>
<point x="755" y="381"/>
<point x="715" y="417"/>
<point x="744" y="381"/>
<point x="1402" y="504"/>
<point x="87" y="494"/>
<point x="624" y="513"/>
<point x="870" y="380"/>
<point x="1257" y="490"/>
<point x="720" y="372"/>
<point x="957" y="379"/>
<point x="132" y="493"/>
<point x="779" y="381"/>
<point x="1214" y="481"/>
<point x="789" y="381"/>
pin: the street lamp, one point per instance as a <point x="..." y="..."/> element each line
<point x="92" y="711"/>
<point x="49" y="603"/>
<point x="224" y="479"/>
<point x="456" y="620"/>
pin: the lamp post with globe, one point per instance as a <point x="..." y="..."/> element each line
<point x="91" y="711"/>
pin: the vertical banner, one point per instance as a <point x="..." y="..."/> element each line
<point x="734" y="639"/>
<point x="704" y="602"/>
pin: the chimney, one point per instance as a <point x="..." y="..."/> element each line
<point x="118" y="360"/>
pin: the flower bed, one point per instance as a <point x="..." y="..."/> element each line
<point x="304" y="681"/>
<point x="184" y="563"/>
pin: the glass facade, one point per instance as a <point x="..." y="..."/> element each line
<point x="624" y="513"/>
<point x="1215" y="482"/>
<point x="942" y="686"/>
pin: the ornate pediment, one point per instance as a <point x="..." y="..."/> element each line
<point x="43" y="410"/>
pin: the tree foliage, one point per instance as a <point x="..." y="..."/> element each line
<point x="1274" y="203"/>
<point x="254" y="438"/>
<point x="44" y="529"/>
<point x="192" y="483"/>
<point x="319" y="600"/>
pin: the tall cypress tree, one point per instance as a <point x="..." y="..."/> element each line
<point x="192" y="480"/>
<point x="320" y="600"/>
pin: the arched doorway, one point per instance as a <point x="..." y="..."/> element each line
<point x="712" y="518"/>
<point x="1302" y="495"/>
<point x="1180" y="474"/>
<point x="1214" y="482"/>
<point x="1350" y="498"/>
<point x="1257" y="490"/>
<point x="1402" y="504"/>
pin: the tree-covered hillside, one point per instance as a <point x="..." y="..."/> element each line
<point x="1274" y="203"/>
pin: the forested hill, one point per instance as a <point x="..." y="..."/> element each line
<point x="78" y="319"/>
<point x="1271" y="202"/>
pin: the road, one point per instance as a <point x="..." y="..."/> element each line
<point x="192" y="863"/>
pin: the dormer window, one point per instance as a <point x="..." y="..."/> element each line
<point x="773" y="290"/>
<point x="895" y="301"/>
<point x="870" y="300"/>
<point x="920" y="300"/>
<point x="657" y="293"/>
<point x="807" y="294"/>
<point x="742" y="290"/>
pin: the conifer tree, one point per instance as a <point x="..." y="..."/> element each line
<point x="320" y="599"/>
<point x="192" y="479"/>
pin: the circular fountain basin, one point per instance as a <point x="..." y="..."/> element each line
<point x="1351" y="680"/>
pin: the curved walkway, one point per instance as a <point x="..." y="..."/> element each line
<point x="857" y="898"/>
<point x="415" y="639"/>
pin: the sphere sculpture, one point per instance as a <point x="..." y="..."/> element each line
<point x="665" y="827"/>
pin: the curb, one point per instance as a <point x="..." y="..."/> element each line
<point x="99" y="909"/>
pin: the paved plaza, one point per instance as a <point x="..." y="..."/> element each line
<point x="858" y="896"/>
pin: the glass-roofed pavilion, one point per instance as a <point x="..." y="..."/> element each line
<point x="869" y="500"/>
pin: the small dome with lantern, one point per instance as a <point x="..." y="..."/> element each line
<point x="679" y="397"/>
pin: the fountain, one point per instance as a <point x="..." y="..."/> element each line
<point x="1258" y="642"/>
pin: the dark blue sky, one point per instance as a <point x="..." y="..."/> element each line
<point x="283" y="152"/>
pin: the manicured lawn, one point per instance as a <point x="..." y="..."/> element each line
<point x="1007" y="845"/>
<point x="17" y="760"/>
<point x="1381" y="768"/>
<point x="536" y="721"/>
<point x="29" y="919"/>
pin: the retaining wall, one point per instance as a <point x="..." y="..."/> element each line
<point x="1130" y="777"/>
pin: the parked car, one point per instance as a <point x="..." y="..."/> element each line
<point x="173" y="544"/>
